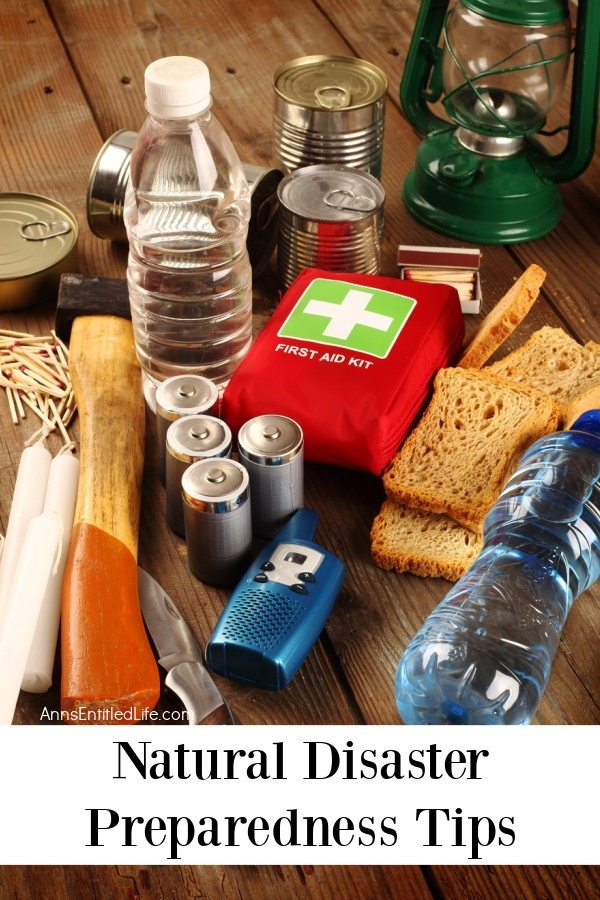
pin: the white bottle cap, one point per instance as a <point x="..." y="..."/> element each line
<point x="177" y="86"/>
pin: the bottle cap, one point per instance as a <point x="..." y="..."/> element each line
<point x="588" y="421"/>
<point x="177" y="86"/>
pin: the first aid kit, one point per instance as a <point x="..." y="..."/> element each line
<point x="351" y="359"/>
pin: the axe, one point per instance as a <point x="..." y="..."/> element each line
<point x="109" y="675"/>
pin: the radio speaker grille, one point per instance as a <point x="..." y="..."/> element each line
<point x="261" y="619"/>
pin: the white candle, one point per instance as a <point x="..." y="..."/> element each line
<point x="27" y="502"/>
<point x="23" y="603"/>
<point x="61" y="494"/>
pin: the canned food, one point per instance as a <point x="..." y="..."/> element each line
<point x="179" y="396"/>
<point x="108" y="184"/>
<point x="271" y="449"/>
<point x="218" y="525"/>
<point x="262" y="229"/>
<point x="329" y="110"/>
<point x="330" y="217"/>
<point x="38" y="243"/>
<point x="188" y="440"/>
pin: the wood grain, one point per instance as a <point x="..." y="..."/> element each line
<point x="107" y="385"/>
<point x="525" y="882"/>
<point x="225" y="882"/>
<point x="107" y="662"/>
<point x="368" y="636"/>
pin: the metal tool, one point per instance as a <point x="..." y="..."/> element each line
<point x="181" y="657"/>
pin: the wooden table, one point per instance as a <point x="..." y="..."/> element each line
<point x="71" y="73"/>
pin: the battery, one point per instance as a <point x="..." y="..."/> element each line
<point x="330" y="217"/>
<point x="329" y="110"/>
<point x="108" y="183"/>
<point x="188" y="440"/>
<point x="272" y="450"/>
<point x="179" y="396"/>
<point x="218" y="523"/>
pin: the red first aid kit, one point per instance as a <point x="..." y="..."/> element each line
<point x="351" y="358"/>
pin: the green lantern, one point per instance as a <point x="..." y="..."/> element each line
<point x="485" y="176"/>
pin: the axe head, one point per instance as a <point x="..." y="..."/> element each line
<point x="89" y="295"/>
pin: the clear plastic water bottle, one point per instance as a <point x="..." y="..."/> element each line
<point x="483" y="657"/>
<point x="187" y="209"/>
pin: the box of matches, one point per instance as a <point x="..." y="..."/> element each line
<point x="456" y="266"/>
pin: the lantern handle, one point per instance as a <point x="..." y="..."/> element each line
<point x="420" y="83"/>
<point x="583" y="121"/>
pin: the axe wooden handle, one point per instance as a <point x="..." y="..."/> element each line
<point x="109" y="674"/>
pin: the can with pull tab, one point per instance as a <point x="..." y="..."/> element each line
<point x="330" y="217"/>
<point x="329" y="110"/>
<point x="38" y="243"/>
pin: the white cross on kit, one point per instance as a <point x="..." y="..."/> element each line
<point x="345" y="315"/>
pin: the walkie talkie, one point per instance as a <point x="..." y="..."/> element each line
<point x="278" y="609"/>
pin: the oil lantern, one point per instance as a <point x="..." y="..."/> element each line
<point x="499" y="69"/>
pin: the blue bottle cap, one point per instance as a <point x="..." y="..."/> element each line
<point x="589" y="422"/>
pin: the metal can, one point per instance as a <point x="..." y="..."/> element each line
<point x="179" y="396"/>
<point x="218" y="524"/>
<point x="271" y="449"/>
<point x="188" y="440"/>
<point x="38" y="243"/>
<point x="330" y="217"/>
<point x="108" y="184"/>
<point x="329" y="110"/>
<point x="262" y="229"/>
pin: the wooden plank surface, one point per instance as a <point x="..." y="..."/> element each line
<point x="224" y="882"/>
<point x="368" y="637"/>
<point x="71" y="73"/>
<point x="509" y="883"/>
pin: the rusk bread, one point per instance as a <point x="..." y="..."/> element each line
<point x="424" y="543"/>
<point x="554" y="362"/>
<point x="471" y="436"/>
<point x="503" y="319"/>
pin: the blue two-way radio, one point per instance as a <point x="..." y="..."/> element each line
<point x="278" y="609"/>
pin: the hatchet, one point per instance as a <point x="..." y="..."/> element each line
<point x="109" y="674"/>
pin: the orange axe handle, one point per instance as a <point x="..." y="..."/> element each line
<point x="109" y="674"/>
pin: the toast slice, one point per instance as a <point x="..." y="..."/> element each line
<point x="554" y="362"/>
<point x="469" y="440"/>
<point x="424" y="543"/>
<point x="503" y="319"/>
<point x="589" y="400"/>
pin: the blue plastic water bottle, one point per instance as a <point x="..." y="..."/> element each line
<point x="483" y="656"/>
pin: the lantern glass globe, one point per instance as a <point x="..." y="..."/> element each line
<point x="502" y="79"/>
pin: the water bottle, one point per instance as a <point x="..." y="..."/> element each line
<point x="187" y="209"/>
<point x="483" y="656"/>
